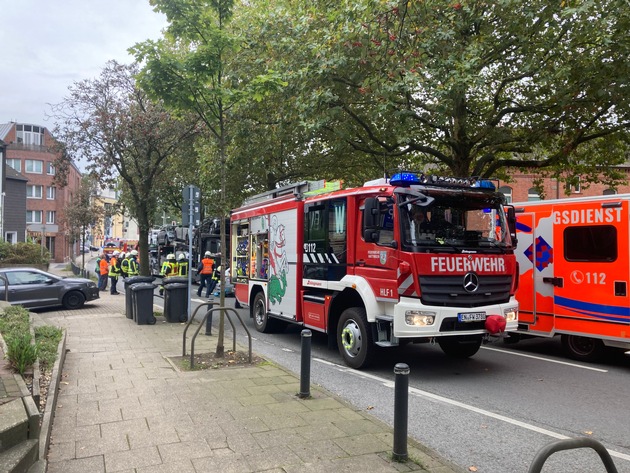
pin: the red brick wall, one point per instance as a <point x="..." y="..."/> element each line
<point x="522" y="182"/>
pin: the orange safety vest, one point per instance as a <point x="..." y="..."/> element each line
<point x="207" y="266"/>
<point x="104" y="266"/>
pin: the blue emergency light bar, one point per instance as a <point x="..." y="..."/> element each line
<point x="406" y="179"/>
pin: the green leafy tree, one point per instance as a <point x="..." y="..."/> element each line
<point x="195" y="68"/>
<point x="125" y="137"/>
<point x="83" y="212"/>
<point x="469" y="87"/>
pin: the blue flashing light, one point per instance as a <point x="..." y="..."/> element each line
<point x="404" y="179"/>
<point x="484" y="184"/>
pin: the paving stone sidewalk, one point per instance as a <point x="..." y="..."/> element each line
<point x="124" y="406"/>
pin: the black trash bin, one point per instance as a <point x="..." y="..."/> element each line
<point x="142" y="298"/>
<point x="176" y="302"/>
<point x="128" y="300"/>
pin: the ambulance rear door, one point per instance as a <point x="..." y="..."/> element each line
<point x="591" y="268"/>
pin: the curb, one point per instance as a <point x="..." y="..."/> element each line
<point x="51" y="403"/>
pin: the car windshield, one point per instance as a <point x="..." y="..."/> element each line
<point x="456" y="221"/>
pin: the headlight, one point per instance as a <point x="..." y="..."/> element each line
<point x="419" y="317"/>
<point x="511" y="314"/>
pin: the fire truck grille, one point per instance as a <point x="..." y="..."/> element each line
<point x="449" y="291"/>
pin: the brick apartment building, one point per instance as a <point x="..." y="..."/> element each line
<point x="29" y="152"/>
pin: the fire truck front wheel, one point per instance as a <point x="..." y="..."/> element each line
<point x="354" y="338"/>
<point x="460" y="347"/>
<point x="583" y="348"/>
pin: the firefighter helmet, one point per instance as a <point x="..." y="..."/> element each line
<point x="170" y="257"/>
<point x="181" y="257"/>
<point x="134" y="253"/>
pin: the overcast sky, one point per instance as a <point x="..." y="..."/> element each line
<point x="47" y="45"/>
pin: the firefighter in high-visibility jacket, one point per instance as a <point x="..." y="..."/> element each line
<point x="205" y="274"/>
<point x="182" y="265"/>
<point x="114" y="271"/>
<point x="169" y="269"/>
<point x="134" y="267"/>
<point x="216" y="277"/>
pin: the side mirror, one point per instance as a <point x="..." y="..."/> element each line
<point x="511" y="221"/>
<point x="370" y="220"/>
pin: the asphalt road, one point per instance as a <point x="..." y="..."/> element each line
<point x="490" y="413"/>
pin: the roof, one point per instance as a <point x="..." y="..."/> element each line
<point x="4" y="129"/>
<point x="11" y="173"/>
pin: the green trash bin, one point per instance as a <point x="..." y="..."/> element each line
<point x="128" y="294"/>
<point x="142" y="297"/>
<point x="176" y="302"/>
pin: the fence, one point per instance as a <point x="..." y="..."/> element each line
<point x="84" y="273"/>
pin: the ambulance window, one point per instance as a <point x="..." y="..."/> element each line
<point x="590" y="243"/>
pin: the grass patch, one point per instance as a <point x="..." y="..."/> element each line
<point x="47" y="339"/>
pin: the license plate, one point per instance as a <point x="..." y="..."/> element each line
<point x="471" y="316"/>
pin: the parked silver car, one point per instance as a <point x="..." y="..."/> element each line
<point x="35" y="289"/>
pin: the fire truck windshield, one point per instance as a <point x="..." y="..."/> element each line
<point x="467" y="220"/>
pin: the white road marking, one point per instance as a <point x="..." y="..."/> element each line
<point x="575" y="365"/>
<point x="426" y="394"/>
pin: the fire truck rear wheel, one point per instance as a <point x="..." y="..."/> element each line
<point x="262" y="321"/>
<point x="460" y="347"/>
<point x="354" y="338"/>
<point x="583" y="348"/>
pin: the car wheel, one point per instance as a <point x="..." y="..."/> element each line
<point x="73" y="300"/>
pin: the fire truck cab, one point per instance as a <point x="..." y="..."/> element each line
<point x="411" y="258"/>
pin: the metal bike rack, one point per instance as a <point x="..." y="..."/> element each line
<point x="570" y="444"/>
<point x="193" y="318"/>
<point x="227" y="311"/>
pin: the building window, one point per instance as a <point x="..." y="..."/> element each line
<point x="51" y="193"/>
<point x="30" y="134"/>
<point x="575" y="186"/>
<point x="507" y="192"/>
<point x="610" y="192"/>
<point x="50" y="216"/>
<point x="10" y="237"/>
<point x="34" y="192"/>
<point x="33" y="216"/>
<point x="50" y="169"/>
<point x="15" y="164"/>
<point x="532" y="195"/>
<point x="34" y="166"/>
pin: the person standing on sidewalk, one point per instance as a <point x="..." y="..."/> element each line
<point x="114" y="271"/>
<point x="124" y="264"/>
<point x="205" y="274"/>
<point x="104" y="273"/>
<point x="134" y="268"/>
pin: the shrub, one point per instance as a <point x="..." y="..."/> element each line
<point x="21" y="352"/>
<point x="23" y="253"/>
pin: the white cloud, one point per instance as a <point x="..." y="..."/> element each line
<point x="50" y="44"/>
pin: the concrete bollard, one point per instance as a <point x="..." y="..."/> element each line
<point x="401" y="409"/>
<point x="305" y="366"/>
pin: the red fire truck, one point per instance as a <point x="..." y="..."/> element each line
<point x="359" y="265"/>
